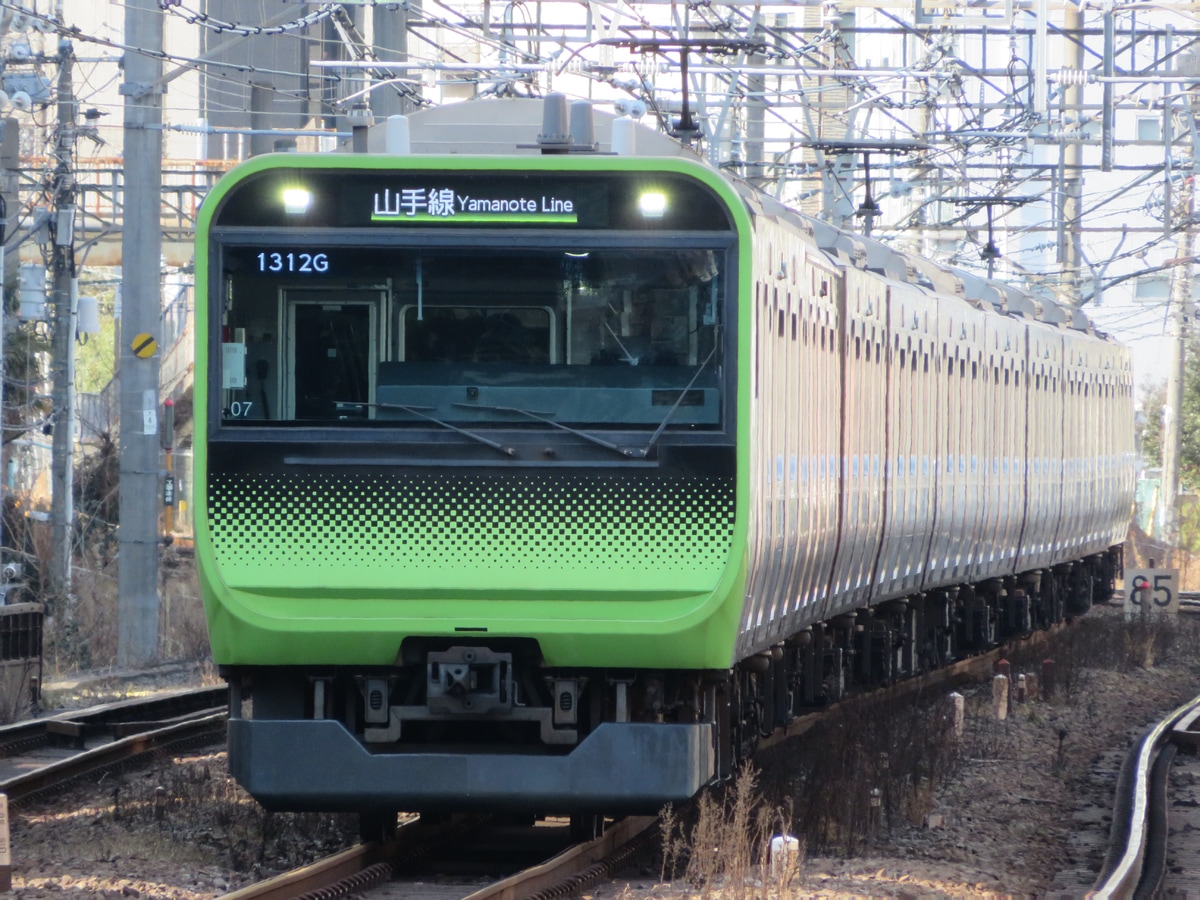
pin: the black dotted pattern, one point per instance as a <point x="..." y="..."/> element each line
<point x="661" y="526"/>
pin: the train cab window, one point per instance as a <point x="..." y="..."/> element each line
<point x="511" y="334"/>
<point x="399" y="336"/>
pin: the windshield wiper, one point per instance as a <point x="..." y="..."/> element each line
<point x="418" y="411"/>
<point x="629" y="357"/>
<point x="678" y="400"/>
<point x="627" y="452"/>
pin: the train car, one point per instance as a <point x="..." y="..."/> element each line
<point x="546" y="479"/>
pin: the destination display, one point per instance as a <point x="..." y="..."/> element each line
<point x="420" y="204"/>
<point x="391" y="199"/>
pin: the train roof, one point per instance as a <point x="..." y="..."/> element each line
<point x="511" y="126"/>
<point x="844" y="248"/>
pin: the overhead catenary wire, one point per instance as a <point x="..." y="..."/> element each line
<point x="803" y="66"/>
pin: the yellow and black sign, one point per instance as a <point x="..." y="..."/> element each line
<point x="144" y="346"/>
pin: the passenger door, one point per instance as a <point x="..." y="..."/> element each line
<point x="332" y="352"/>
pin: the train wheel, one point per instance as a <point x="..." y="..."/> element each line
<point x="1079" y="595"/>
<point x="376" y="826"/>
<point x="586" y="827"/>
<point x="520" y="820"/>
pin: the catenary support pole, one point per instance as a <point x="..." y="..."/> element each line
<point x="1071" y="166"/>
<point x="141" y="248"/>
<point x="390" y="23"/>
<point x="1181" y="299"/>
<point x="62" y="458"/>
<point x="10" y="141"/>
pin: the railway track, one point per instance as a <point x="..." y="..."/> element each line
<point x="418" y="876"/>
<point x="1137" y="861"/>
<point x="1189" y="602"/>
<point x="416" y="864"/>
<point x="387" y="872"/>
<point x="42" y="755"/>
<point x="1182" y="875"/>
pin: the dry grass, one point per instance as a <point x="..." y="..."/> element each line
<point x="721" y="843"/>
<point x="81" y="630"/>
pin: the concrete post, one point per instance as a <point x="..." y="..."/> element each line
<point x="62" y="460"/>
<point x="141" y="311"/>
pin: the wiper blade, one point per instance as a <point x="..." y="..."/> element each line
<point x="629" y="357"/>
<point x="674" y="406"/>
<point x="419" y="411"/>
<point x="627" y="452"/>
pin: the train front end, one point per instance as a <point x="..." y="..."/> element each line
<point x="469" y="502"/>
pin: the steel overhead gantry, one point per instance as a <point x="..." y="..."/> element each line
<point x="756" y="85"/>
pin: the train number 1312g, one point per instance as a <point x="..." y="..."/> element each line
<point x="293" y="262"/>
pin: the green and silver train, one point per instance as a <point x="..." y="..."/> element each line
<point x="548" y="482"/>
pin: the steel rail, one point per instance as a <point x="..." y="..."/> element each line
<point x="359" y="867"/>
<point x="365" y="865"/>
<point x="1189" y="601"/>
<point x="355" y="867"/>
<point x="1134" y="810"/>
<point x="207" y="726"/>
<point x="145" y="708"/>
<point x="119" y="719"/>
<point x="574" y="868"/>
<point x="127" y="728"/>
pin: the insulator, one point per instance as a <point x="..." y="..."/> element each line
<point x="1077" y="77"/>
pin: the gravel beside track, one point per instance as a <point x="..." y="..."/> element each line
<point x="1182" y="878"/>
<point x="1028" y="814"/>
<point x="179" y="828"/>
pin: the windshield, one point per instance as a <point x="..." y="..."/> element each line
<point x="520" y="336"/>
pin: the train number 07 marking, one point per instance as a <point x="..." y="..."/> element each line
<point x="271" y="261"/>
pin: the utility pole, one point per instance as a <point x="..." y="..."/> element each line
<point x="391" y="44"/>
<point x="1071" y="162"/>
<point x="1181" y="300"/>
<point x="1177" y="207"/>
<point x="62" y="462"/>
<point x="141" y="315"/>
<point x="10" y="161"/>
